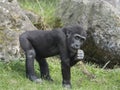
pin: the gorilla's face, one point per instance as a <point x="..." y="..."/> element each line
<point x="75" y="38"/>
<point x="74" y="43"/>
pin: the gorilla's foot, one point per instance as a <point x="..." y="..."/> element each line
<point x="47" y="77"/>
<point x="34" y="78"/>
<point x="38" y="80"/>
<point x="67" y="86"/>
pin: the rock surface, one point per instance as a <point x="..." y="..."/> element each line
<point x="115" y="3"/>
<point x="12" y="23"/>
<point x="102" y="22"/>
<point x="34" y="18"/>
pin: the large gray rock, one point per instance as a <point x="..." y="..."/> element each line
<point x="12" y="23"/>
<point x="115" y="3"/>
<point x="102" y="22"/>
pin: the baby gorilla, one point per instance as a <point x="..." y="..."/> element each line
<point x="39" y="44"/>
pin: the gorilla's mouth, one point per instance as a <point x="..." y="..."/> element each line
<point x="73" y="50"/>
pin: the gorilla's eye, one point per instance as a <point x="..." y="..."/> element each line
<point x="77" y="37"/>
<point x="82" y="39"/>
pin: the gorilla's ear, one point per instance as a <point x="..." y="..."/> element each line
<point x="67" y="32"/>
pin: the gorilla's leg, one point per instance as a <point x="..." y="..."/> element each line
<point x="30" y="56"/>
<point x="66" y="74"/>
<point x="44" y="70"/>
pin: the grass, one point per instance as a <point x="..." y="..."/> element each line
<point x="12" y="77"/>
<point x="44" y="8"/>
